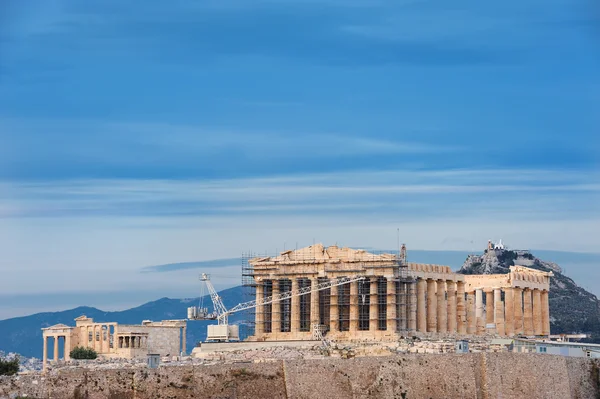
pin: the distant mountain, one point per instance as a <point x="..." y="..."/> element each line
<point x="23" y="335"/>
<point x="572" y="309"/>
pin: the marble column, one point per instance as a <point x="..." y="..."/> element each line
<point x="45" y="353"/>
<point x="421" y="314"/>
<point x="471" y="319"/>
<point x="67" y="346"/>
<point x="545" y="313"/>
<point x="183" y="341"/>
<point x="354" y="306"/>
<point x="259" y="316"/>
<point x="334" y="324"/>
<point x="275" y="311"/>
<point x="480" y="321"/>
<point x="314" y="303"/>
<point x="295" y="313"/>
<point x="373" y="308"/>
<point x="499" y="312"/>
<point x="518" y="297"/>
<point x="489" y="307"/>
<point x="527" y="312"/>
<point x="55" y="358"/>
<point x="431" y="307"/>
<point x="537" y="312"/>
<point x="401" y="298"/>
<point x="392" y="309"/>
<point x="461" y="313"/>
<point x="412" y="307"/>
<point x="509" y="311"/>
<point x="451" y="290"/>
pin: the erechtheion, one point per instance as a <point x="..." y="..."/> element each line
<point x="113" y="340"/>
<point x="395" y="298"/>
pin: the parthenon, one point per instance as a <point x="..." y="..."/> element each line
<point x="394" y="298"/>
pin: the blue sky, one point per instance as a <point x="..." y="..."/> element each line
<point x="140" y="133"/>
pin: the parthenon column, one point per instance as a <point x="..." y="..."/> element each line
<point x="545" y="313"/>
<point x="67" y="348"/>
<point x="451" y="290"/>
<point x="183" y="340"/>
<point x="489" y="307"/>
<point x="442" y="308"/>
<point x="527" y="312"/>
<point x="259" y="316"/>
<point x="373" y="308"/>
<point x="314" y="303"/>
<point x="431" y="307"/>
<point x="509" y="310"/>
<point x="537" y="312"/>
<point x="499" y="312"/>
<point x="354" y="306"/>
<point x="518" y="297"/>
<point x="412" y="307"/>
<point x="295" y="308"/>
<point x="333" y="310"/>
<point x="55" y="358"/>
<point x="392" y="314"/>
<point x="275" y="311"/>
<point x="421" y="315"/>
<point x="480" y="321"/>
<point x="471" y="322"/>
<point x="461" y="313"/>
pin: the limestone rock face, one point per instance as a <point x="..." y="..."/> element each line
<point x="572" y="309"/>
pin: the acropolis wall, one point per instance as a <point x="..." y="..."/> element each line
<point x="395" y="297"/>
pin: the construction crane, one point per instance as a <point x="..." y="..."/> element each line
<point x="225" y="332"/>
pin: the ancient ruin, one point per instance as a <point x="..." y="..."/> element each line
<point x="113" y="340"/>
<point x="395" y="297"/>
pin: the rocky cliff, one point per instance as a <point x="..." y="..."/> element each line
<point x="572" y="309"/>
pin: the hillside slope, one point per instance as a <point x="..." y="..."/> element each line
<point x="23" y="335"/>
<point x="572" y="309"/>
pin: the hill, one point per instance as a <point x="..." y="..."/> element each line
<point x="572" y="308"/>
<point x="23" y="335"/>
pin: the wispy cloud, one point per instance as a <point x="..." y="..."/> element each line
<point x="206" y="264"/>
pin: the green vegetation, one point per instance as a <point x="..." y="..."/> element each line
<point x="9" y="367"/>
<point x="80" y="352"/>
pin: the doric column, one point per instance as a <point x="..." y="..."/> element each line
<point x="442" y="308"/>
<point x="68" y="346"/>
<point x="401" y="298"/>
<point x="431" y="307"/>
<point x="373" y="305"/>
<point x="461" y="311"/>
<point x="545" y="313"/>
<point x="518" y="298"/>
<point x="45" y="355"/>
<point x="451" y="290"/>
<point x="183" y="340"/>
<point x="314" y="303"/>
<point x="259" y="325"/>
<point x="527" y="312"/>
<point x="354" y="306"/>
<point x="499" y="312"/>
<point x="55" y="358"/>
<point x="489" y="307"/>
<point x="295" y="314"/>
<point x="480" y="321"/>
<point x="275" y="313"/>
<point x="421" y="315"/>
<point x="537" y="312"/>
<point x="412" y="307"/>
<point x="509" y="311"/>
<point x="471" y="319"/>
<point x="333" y="310"/>
<point x="392" y="314"/>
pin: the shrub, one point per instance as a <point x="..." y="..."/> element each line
<point x="80" y="352"/>
<point x="9" y="367"/>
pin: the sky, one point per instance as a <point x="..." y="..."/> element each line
<point x="143" y="133"/>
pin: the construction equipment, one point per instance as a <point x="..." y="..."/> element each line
<point x="225" y="332"/>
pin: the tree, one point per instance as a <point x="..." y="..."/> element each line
<point x="9" y="367"/>
<point x="80" y="352"/>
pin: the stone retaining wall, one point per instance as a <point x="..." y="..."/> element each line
<point x="409" y="376"/>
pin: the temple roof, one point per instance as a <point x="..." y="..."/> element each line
<point x="319" y="253"/>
